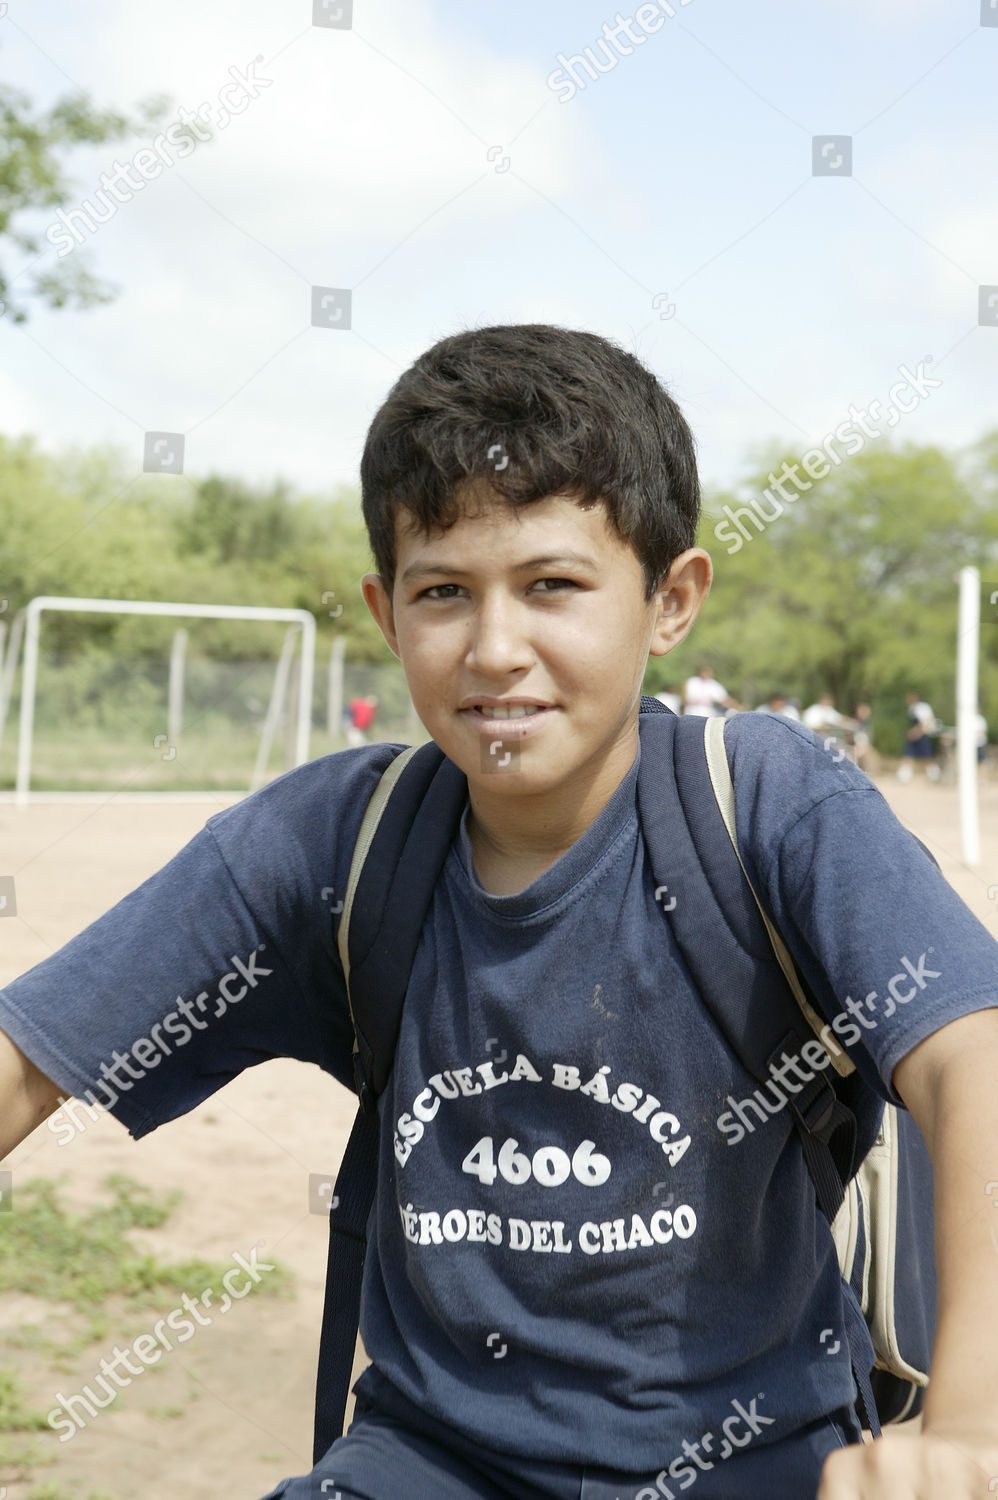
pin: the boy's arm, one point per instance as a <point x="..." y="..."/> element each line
<point x="220" y="960"/>
<point x="948" y="1083"/>
<point x="27" y="1097"/>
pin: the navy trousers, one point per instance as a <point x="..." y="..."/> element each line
<point x="395" y="1452"/>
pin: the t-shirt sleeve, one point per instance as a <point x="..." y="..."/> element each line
<point x="224" y="958"/>
<point x="889" y="950"/>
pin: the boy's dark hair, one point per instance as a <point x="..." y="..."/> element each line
<point x="533" y="410"/>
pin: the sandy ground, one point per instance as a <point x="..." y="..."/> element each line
<point x="241" y="1391"/>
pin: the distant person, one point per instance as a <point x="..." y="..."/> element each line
<point x="981" y="737"/>
<point x="779" y="706"/>
<point x="704" y="695"/>
<point x="862" y="737"/>
<point x="362" y="711"/>
<point x="671" y="700"/>
<point x="919" y="745"/>
<point x="823" y="716"/>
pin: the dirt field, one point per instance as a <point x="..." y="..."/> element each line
<point x="230" y="1412"/>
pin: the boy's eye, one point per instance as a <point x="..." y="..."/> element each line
<point x="433" y="591"/>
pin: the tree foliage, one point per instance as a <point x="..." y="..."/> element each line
<point x="852" y="590"/>
<point x="83" y="524"/>
<point x="33" y="147"/>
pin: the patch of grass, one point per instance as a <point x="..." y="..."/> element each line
<point x="22" y="1455"/>
<point x="87" y="1259"/>
<point x="19" y="1455"/>
<point x="35" y="1340"/>
<point x="14" y="1415"/>
<point x="27" y="1336"/>
<point x="53" y="1490"/>
<point x="165" y="1413"/>
<point x="88" y="1262"/>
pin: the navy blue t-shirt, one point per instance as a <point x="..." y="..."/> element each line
<point x="580" y="1252"/>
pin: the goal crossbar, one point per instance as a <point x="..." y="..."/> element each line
<point x="32" y="629"/>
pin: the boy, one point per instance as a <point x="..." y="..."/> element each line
<point x="577" y="1287"/>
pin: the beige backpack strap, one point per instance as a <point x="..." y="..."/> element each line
<point x="724" y="791"/>
<point x="365" y="838"/>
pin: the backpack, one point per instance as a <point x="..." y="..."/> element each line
<point x="869" y="1165"/>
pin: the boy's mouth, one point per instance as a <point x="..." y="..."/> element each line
<point x="513" y="719"/>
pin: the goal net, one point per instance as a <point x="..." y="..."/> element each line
<point x="146" y="696"/>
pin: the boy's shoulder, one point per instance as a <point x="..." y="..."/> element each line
<point x="780" y="770"/>
<point x="340" y="782"/>
<point x="781" y="734"/>
<point x="795" y="789"/>
<point x="300" y="829"/>
<point x="780" y="759"/>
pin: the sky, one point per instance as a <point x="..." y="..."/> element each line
<point x="439" y="163"/>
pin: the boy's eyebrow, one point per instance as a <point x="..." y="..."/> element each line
<point x="574" y="559"/>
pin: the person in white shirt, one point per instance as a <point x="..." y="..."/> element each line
<point x="704" y="695"/>
<point x="981" y="737"/>
<point x="824" y="715"/>
<point x="862" y="738"/>
<point x="918" y="744"/>
<point x="779" y="706"/>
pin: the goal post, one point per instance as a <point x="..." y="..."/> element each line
<point x="967" y="668"/>
<point x="301" y="619"/>
<point x="8" y="665"/>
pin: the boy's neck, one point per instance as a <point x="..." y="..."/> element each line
<point x="514" y="841"/>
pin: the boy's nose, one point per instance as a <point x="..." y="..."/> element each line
<point x="499" y="641"/>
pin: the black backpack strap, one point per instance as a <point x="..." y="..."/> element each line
<point x="393" y="892"/>
<point x="404" y="840"/>
<point x="720" y="932"/>
<point x="348" y="1216"/>
<point x="728" y="945"/>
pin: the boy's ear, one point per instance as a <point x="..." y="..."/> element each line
<point x="679" y="597"/>
<point x="378" y="601"/>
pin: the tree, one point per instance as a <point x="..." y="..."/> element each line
<point x="850" y="586"/>
<point x="266" y="543"/>
<point x="32" y="177"/>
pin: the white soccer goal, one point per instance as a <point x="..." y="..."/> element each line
<point x="301" y="628"/>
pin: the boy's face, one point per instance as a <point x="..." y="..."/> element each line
<point x="496" y="608"/>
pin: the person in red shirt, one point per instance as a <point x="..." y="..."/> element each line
<point x="362" y="711"/>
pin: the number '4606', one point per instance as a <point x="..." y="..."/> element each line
<point x="550" y="1165"/>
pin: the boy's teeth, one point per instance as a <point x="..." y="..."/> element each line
<point x="516" y="711"/>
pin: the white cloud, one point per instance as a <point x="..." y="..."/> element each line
<point x="359" y="134"/>
<point x="347" y="170"/>
<point x="352" y="170"/>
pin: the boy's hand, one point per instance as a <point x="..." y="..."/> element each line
<point x="900" y="1467"/>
